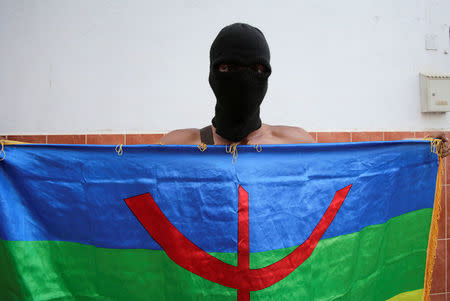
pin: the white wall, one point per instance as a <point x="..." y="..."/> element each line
<point x="142" y="66"/>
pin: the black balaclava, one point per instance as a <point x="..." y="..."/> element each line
<point x="239" y="92"/>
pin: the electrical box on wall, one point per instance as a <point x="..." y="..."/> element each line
<point x="435" y="93"/>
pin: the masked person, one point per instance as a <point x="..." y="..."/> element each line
<point x="238" y="76"/>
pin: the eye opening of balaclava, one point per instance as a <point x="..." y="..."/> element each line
<point x="239" y="93"/>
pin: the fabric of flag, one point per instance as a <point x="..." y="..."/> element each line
<point x="346" y="221"/>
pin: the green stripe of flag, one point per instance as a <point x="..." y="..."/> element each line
<point x="377" y="263"/>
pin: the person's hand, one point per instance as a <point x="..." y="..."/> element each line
<point x="445" y="150"/>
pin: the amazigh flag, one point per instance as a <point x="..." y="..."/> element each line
<point x="347" y="221"/>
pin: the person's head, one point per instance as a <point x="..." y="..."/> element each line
<point x="239" y="69"/>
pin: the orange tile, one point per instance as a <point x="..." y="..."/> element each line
<point x="423" y="134"/>
<point x="445" y="198"/>
<point x="442" y="223"/>
<point x="448" y="264"/>
<point x="109" y="139"/>
<point x="439" y="297"/>
<point x="330" y="137"/>
<point x="143" y="138"/>
<point x="66" y="139"/>
<point x="367" y="136"/>
<point x="29" y="138"/>
<point x="438" y="280"/>
<point x="447" y="169"/>
<point x="389" y="136"/>
<point x="419" y="134"/>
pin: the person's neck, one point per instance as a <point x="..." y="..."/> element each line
<point x="253" y="135"/>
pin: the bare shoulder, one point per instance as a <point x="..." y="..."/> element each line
<point x="182" y="136"/>
<point x="291" y="134"/>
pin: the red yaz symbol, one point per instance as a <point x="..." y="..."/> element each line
<point x="189" y="256"/>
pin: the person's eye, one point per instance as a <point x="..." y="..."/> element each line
<point x="224" y="68"/>
<point x="259" y="68"/>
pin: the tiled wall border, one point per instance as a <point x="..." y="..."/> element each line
<point x="440" y="289"/>
<point x="321" y="137"/>
<point x="127" y="139"/>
